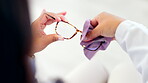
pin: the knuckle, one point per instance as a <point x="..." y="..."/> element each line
<point x="102" y="13"/>
<point x="89" y="35"/>
<point x="54" y="37"/>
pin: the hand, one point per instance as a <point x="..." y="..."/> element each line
<point x="40" y="39"/>
<point x="105" y="25"/>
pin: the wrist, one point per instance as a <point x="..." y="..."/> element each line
<point x="118" y="22"/>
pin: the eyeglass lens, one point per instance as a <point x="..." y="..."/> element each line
<point x="94" y="46"/>
<point x="66" y="30"/>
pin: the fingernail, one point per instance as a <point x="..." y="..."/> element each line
<point x="64" y="13"/>
<point x="60" y="38"/>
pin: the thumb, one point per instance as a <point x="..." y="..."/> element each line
<point x="52" y="38"/>
<point x="94" y="33"/>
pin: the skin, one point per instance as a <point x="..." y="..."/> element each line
<point x="40" y="39"/>
<point x="105" y="25"/>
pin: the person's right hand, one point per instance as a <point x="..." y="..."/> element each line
<point x="105" y="25"/>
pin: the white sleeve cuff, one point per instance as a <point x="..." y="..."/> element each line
<point x="122" y="30"/>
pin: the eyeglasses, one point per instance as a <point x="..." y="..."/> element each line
<point x="68" y="31"/>
<point x="65" y="29"/>
<point x="94" y="46"/>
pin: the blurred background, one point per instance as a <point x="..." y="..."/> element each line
<point x="60" y="58"/>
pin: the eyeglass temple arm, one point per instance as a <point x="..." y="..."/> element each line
<point x="50" y="16"/>
<point x="79" y="31"/>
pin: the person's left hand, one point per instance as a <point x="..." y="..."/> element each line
<point x="40" y="39"/>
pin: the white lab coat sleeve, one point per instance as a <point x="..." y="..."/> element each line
<point x="133" y="38"/>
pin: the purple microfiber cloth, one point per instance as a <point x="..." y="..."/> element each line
<point x="92" y="46"/>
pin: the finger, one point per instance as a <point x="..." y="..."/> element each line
<point x="52" y="38"/>
<point x="94" y="33"/>
<point x="94" y="22"/>
<point x="55" y="16"/>
<point x="42" y="14"/>
<point x="63" y="18"/>
<point x="50" y="20"/>
<point x="59" y="15"/>
<point x="62" y="13"/>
